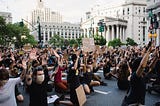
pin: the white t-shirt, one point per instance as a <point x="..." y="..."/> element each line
<point x="7" y="92"/>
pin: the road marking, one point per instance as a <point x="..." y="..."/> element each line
<point x="105" y="93"/>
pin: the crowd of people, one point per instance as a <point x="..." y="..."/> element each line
<point x="132" y="66"/>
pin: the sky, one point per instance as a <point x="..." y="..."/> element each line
<point x="71" y="10"/>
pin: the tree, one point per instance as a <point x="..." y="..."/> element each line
<point x="115" y="42"/>
<point x="130" y="42"/>
<point x="10" y="31"/>
<point x="21" y="33"/>
<point x="56" y="40"/>
<point x="99" y="40"/>
<point x="3" y="30"/>
<point x="73" y="42"/>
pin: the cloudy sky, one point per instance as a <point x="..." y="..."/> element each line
<point x="71" y="10"/>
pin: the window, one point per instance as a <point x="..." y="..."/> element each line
<point x="128" y="11"/>
<point x="123" y="12"/>
<point x="143" y="19"/>
<point x="144" y="10"/>
<point x="50" y="34"/>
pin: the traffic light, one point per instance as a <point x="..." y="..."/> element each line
<point x="155" y="22"/>
<point x="154" y="18"/>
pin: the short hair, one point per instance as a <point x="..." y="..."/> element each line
<point x="4" y="74"/>
<point x="38" y="68"/>
<point x="74" y="57"/>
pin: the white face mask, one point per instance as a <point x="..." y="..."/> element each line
<point x="40" y="79"/>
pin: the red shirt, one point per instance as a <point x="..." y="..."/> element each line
<point x="58" y="75"/>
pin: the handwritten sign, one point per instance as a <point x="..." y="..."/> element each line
<point x="88" y="44"/>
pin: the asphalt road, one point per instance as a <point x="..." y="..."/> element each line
<point x="104" y="95"/>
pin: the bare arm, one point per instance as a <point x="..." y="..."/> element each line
<point x="143" y="64"/>
<point x="29" y="78"/>
<point x="23" y="74"/>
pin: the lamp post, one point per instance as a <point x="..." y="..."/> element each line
<point x="39" y="30"/>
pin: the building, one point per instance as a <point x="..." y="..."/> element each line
<point x="50" y="24"/>
<point x="65" y="30"/>
<point x="7" y="16"/>
<point x="121" y="20"/>
<point x="44" y="14"/>
<point x="153" y="13"/>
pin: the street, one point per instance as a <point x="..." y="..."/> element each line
<point x="105" y="95"/>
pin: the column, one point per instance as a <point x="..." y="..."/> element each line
<point x="44" y="36"/>
<point x="48" y="37"/>
<point x="120" y="35"/>
<point x="112" y="36"/>
<point x="117" y="32"/>
<point x="124" y="33"/>
<point x="108" y="35"/>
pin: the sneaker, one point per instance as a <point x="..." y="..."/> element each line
<point x="91" y="88"/>
<point x="103" y="83"/>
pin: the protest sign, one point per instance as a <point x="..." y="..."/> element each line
<point x="81" y="95"/>
<point x="88" y="44"/>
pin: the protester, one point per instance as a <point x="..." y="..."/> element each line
<point x="137" y="91"/>
<point x="7" y="86"/>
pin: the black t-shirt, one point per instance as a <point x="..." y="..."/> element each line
<point x="74" y="82"/>
<point x="106" y="68"/>
<point x="38" y="94"/>
<point x="137" y="90"/>
<point x="88" y="76"/>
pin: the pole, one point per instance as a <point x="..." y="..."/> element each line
<point x="101" y="33"/>
<point x="39" y="33"/>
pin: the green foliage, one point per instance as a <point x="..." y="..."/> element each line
<point x="99" y="40"/>
<point x="73" y="42"/>
<point x="115" y="42"/>
<point x="130" y="42"/>
<point x="10" y="31"/>
<point x="29" y="39"/>
<point x="56" y="40"/>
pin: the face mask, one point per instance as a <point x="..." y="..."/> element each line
<point x="40" y="79"/>
<point x="3" y="82"/>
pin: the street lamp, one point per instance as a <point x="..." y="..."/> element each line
<point x="39" y="30"/>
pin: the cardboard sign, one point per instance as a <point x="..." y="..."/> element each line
<point x="27" y="47"/>
<point x="21" y="52"/>
<point x="88" y="44"/>
<point x="81" y="95"/>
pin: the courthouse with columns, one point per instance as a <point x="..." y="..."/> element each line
<point x="122" y="20"/>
